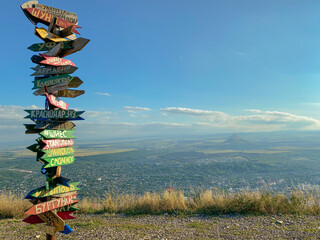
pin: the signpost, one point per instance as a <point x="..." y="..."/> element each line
<point x="54" y="202"/>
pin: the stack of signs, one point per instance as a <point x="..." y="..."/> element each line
<point x="54" y="202"/>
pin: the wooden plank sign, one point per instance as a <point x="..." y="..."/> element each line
<point x="46" y="18"/>
<point x="57" y="143"/>
<point x="55" y="61"/>
<point x="65" y="15"/>
<point x="53" y="204"/>
<point x="43" y="192"/>
<point x="68" y="93"/>
<point x="51" y="134"/>
<point x="53" y="220"/>
<point x="68" y="208"/>
<point x="34" y="148"/>
<point x="34" y="219"/>
<point x="38" y="47"/>
<point x="50" y="70"/>
<point x="58" y="161"/>
<point x="57" y="114"/>
<point x="74" y="83"/>
<point x="54" y="125"/>
<point x="54" y="101"/>
<point x="51" y="81"/>
<point x="77" y="45"/>
<point x="46" y="36"/>
<point x="57" y="152"/>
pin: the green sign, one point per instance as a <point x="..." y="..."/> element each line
<point x="58" y="161"/>
<point x="57" y="152"/>
<point x="50" y="134"/>
<point x="39" y="83"/>
<point x="37" y="47"/>
<point x="43" y="192"/>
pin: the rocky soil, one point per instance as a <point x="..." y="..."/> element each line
<point x="174" y="227"/>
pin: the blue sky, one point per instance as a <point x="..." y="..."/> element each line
<point x="177" y="66"/>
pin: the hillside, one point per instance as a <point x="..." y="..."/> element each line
<point x="174" y="227"/>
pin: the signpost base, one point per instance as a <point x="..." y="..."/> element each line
<point x="51" y="237"/>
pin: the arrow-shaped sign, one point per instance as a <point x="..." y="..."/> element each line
<point x="46" y="36"/>
<point x="52" y="61"/>
<point x="57" y="143"/>
<point x="57" y="114"/>
<point x="50" y="205"/>
<point x="65" y="15"/>
<point x="57" y="152"/>
<point x="58" y="161"/>
<point x="46" y="18"/>
<point x="51" y="81"/>
<point x="54" y="101"/>
<point x="34" y="219"/>
<point x="38" y="47"/>
<point x="74" y="83"/>
<point x="53" y="220"/>
<point x="69" y="93"/>
<point x="43" y="192"/>
<point x="49" y="70"/>
<point x="51" y="134"/>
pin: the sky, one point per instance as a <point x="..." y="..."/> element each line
<point x="160" y="68"/>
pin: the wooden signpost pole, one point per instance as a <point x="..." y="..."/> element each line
<point x="53" y="202"/>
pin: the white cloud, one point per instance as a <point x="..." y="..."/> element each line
<point x="130" y="109"/>
<point x="103" y="94"/>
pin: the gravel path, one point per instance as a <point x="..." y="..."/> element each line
<point x="174" y="227"/>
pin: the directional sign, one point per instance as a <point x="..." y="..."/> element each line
<point x="43" y="192"/>
<point x="54" y="101"/>
<point x="38" y="47"/>
<point x="57" y="143"/>
<point x="57" y="152"/>
<point x="51" y="81"/>
<point x="51" y="134"/>
<point x="46" y="18"/>
<point x="34" y="219"/>
<point x="58" y="161"/>
<point x="53" y="220"/>
<point x="55" y="61"/>
<point x="74" y="83"/>
<point x="68" y="208"/>
<point x="46" y="36"/>
<point x="54" y="51"/>
<point x="49" y="70"/>
<point x="69" y="93"/>
<point x="34" y="148"/>
<point x="77" y="45"/>
<point x="50" y="205"/>
<point x="65" y="15"/>
<point x="54" y="125"/>
<point x="58" y="114"/>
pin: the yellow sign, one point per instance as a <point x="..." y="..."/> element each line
<point x="45" y="35"/>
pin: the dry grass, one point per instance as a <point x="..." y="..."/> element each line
<point x="12" y="206"/>
<point x="209" y="202"/>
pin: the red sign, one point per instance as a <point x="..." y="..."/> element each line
<point x="34" y="219"/>
<point x="57" y="102"/>
<point x="57" y="143"/>
<point x="47" y="17"/>
<point x="55" y="61"/>
<point x="50" y="205"/>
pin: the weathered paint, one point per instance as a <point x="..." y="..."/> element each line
<point x="54" y="125"/>
<point x="42" y="192"/>
<point x="54" y="101"/>
<point x="50" y="205"/>
<point x="55" y="61"/>
<point x="77" y="45"/>
<point x="65" y="15"/>
<point x="50" y="70"/>
<point x="34" y="219"/>
<point x="57" y="143"/>
<point x="38" y="47"/>
<point x="52" y="219"/>
<point x="74" y="83"/>
<point x="46" y="18"/>
<point x="57" y="152"/>
<point x="51" y="81"/>
<point x="68" y="93"/>
<point x="58" y="161"/>
<point x="57" y="114"/>
<point x="46" y="36"/>
<point x="51" y="134"/>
